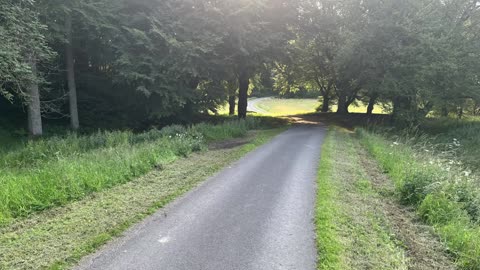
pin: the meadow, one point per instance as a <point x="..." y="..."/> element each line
<point x="283" y="107"/>
<point x="52" y="171"/>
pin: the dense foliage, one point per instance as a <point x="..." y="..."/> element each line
<point x="419" y="56"/>
<point x="132" y="63"/>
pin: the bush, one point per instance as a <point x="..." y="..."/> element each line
<point x="439" y="209"/>
<point x="417" y="184"/>
<point x="464" y="242"/>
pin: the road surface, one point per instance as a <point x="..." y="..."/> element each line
<point x="256" y="214"/>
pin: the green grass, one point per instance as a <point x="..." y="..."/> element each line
<point x="444" y="193"/>
<point x="57" y="238"/>
<point x="281" y="107"/>
<point x="353" y="231"/>
<point x="50" y="172"/>
<point x="286" y="107"/>
<point x="442" y="132"/>
<point x="328" y="243"/>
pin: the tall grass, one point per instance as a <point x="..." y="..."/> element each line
<point x="49" y="172"/>
<point x="465" y="132"/>
<point x="445" y="193"/>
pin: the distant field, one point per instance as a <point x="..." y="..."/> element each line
<point x="278" y="107"/>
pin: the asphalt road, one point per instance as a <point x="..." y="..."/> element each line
<point x="256" y="214"/>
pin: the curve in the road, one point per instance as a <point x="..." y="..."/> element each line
<point x="256" y="214"/>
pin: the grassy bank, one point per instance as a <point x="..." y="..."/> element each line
<point x="359" y="223"/>
<point x="59" y="237"/>
<point x="429" y="177"/>
<point x="45" y="173"/>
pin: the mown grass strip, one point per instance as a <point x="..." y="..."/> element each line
<point x="353" y="230"/>
<point x="329" y="247"/>
<point x="59" y="237"/>
<point x="444" y="198"/>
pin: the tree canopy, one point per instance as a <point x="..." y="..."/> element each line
<point x="138" y="62"/>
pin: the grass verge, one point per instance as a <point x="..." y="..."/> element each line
<point x="443" y="194"/>
<point x="357" y="234"/>
<point x="59" y="237"/>
<point x="328" y="243"/>
<point x="359" y="224"/>
<point x="51" y="172"/>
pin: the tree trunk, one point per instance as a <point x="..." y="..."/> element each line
<point x="325" y="104"/>
<point x="244" y="83"/>
<point x="444" y="112"/>
<point x="232" y="103"/>
<point x="342" y="105"/>
<point x="72" y="88"/>
<point x="371" y="105"/>
<point x="34" y="110"/>
<point x="460" y="113"/>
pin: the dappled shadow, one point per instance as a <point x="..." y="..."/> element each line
<point x="228" y="144"/>
<point x="348" y="121"/>
<point x="232" y="143"/>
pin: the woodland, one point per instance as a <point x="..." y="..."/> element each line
<point x="134" y="64"/>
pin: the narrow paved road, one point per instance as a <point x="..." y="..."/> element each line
<point x="256" y="214"/>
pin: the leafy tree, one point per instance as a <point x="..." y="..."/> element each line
<point x="22" y="48"/>
<point x="255" y="33"/>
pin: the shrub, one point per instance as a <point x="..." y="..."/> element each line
<point x="417" y="184"/>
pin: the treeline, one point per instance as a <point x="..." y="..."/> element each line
<point x="419" y="56"/>
<point x="134" y="62"/>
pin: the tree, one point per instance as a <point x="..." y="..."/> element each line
<point x="315" y="51"/>
<point x="22" y="48"/>
<point x="255" y="33"/>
